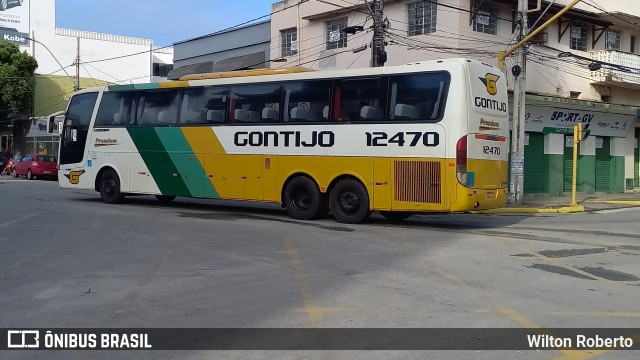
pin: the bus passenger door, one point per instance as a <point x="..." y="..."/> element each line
<point x="252" y="177"/>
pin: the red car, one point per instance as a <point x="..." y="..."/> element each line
<point x="37" y="165"/>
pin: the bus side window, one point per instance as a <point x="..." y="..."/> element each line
<point x="116" y="108"/>
<point x="206" y="105"/>
<point x="159" y="108"/>
<point x="215" y="109"/>
<point x="192" y="106"/>
<point x="418" y="97"/>
<point x="255" y="103"/>
<point x="363" y="99"/>
<point x="307" y="101"/>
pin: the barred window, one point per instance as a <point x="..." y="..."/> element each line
<point x="422" y="17"/>
<point x="579" y="36"/>
<point x="486" y="19"/>
<point x="289" y="42"/>
<point x="335" y="37"/>
<point x="612" y="41"/>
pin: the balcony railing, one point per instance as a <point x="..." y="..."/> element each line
<point x="621" y="78"/>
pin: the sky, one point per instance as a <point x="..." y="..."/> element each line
<point x="163" y="21"/>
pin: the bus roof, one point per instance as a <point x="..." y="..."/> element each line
<point x="290" y="73"/>
<point x="243" y="73"/>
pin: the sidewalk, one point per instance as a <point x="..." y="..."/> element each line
<point x="560" y="204"/>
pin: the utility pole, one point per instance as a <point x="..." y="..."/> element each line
<point x="517" y="144"/>
<point x="76" y="85"/>
<point x="378" y="54"/>
<point x="519" y="93"/>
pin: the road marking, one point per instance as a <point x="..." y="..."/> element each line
<point x="518" y="318"/>
<point x="18" y="220"/>
<point x="613" y="211"/>
<point x="314" y="312"/>
<point x="575" y="313"/>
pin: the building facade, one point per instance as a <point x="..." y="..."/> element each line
<point x="561" y="88"/>
<point x="103" y="59"/>
<point x="239" y="48"/>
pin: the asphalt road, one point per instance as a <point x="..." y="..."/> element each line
<point x="69" y="261"/>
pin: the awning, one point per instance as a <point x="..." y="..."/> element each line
<point x="251" y="61"/>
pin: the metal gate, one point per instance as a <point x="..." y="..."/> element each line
<point x="567" y="174"/>
<point x="636" y="159"/>
<point x="603" y="164"/>
<point x="534" y="164"/>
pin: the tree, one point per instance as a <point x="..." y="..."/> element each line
<point x="16" y="81"/>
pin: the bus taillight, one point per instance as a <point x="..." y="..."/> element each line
<point x="461" y="159"/>
<point x="461" y="153"/>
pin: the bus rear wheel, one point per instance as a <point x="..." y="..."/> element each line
<point x="303" y="199"/>
<point x="110" y="187"/>
<point x="349" y="201"/>
<point x="396" y="215"/>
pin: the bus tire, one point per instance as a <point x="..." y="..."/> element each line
<point x="349" y="201"/>
<point x="165" y="199"/>
<point x="396" y="215"/>
<point x="110" y="187"/>
<point x="303" y="199"/>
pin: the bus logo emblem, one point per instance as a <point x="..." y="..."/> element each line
<point x="491" y="82"/>
<point x="74" y="176"/>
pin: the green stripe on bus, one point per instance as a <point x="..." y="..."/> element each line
<point x="146" y="86"/>
<point x="121" y="87"/>
<point x="186" y="161"/>
<point x="155" y="156"/>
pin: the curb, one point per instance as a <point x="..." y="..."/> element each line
<point x="511" y="210"/>
<point x="617" y="202"/>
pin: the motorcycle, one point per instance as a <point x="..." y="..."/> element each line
<point x="8" y="168"/>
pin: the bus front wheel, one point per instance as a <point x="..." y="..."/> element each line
<point x="110" y="187"/>
<point x="303" y="199"/>
<point x="349" y="201"/>
<point x="396" y="215"/>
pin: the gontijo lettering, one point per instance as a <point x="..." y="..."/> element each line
<point x="284" y="138"/>
<point x="490" y="104"/>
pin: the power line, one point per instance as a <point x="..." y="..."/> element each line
<point x="226" y="29"/>
<point x="595" y="6"/>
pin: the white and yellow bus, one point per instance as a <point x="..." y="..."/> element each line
<point x="422" y="137"/>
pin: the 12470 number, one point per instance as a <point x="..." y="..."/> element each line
<point x="491" y="150"/>
<point x="403" y="138"/>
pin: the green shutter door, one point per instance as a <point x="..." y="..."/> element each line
<point x="636" y="159"/>
<point x="603" y="165"/>
<point x="568" y="166"/>
<point x="534" y="164"/>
